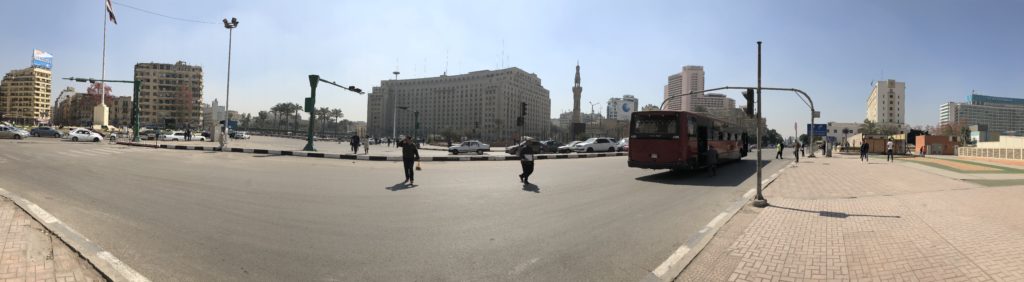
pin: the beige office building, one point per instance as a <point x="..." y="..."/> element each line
<point x="171" y="94"/>
<point x="25" y="96"/>
<point x="887" y="102"/>
<point x="481" y="104"/>
<point x="690" y="79"/>
<point x="711" y="102"/>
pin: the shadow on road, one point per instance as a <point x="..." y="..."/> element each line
<point x="400" y="187"/>
<point x="730" y="174"/>
<point x="531" y="188"/>
<point x="833" y="214"/>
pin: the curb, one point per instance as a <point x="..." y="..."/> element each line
<point x="375" y="158"/>
<point x="681" y="258"/>
<point x="109" y="266"/>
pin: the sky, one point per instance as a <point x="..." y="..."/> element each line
<point x="833" y="50"/>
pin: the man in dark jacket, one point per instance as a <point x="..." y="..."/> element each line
<point x="355" y="144"/>
<point x="409" y="155"/>
<point x="864" y="151"/>
<point x="526" y="159"/>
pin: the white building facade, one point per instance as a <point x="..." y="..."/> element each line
<point x="690" y="79"/>
<point x="887" y="102"/>
<point x="622" y="108"/>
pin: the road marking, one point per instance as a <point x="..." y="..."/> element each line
<point x="81" y="154"/>
<point x="66" y="154"/>
<point x="673" y="259"/>
<point x="43" y="215"/>
<point x="122" y="268"/>
<point x="750" y="193"/>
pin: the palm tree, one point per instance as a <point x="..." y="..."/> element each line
<point x="279" y="110"/>
<point x="869" y="127"/>
<point x="324" y="114"/>
<point x="261" y="118"/>
<point x="336" y="114"/>
<point x="294" y="110"/>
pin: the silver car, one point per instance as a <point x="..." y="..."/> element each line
<point x="13" y="132"/>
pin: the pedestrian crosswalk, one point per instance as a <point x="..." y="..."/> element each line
<point x="92" y="152"/>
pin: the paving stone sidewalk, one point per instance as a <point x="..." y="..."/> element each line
<point x="30" y="253"/>
<point x="839" y="219"/>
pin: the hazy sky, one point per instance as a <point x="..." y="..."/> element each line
<point x="831" y="49"/>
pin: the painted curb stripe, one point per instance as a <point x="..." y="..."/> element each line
<point x="260" y="151"/>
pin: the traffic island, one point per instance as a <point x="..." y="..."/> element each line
<point x="373" y="158"/>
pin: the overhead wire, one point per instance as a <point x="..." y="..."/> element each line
<point x="161" y="15"/>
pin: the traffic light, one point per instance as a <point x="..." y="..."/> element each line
<point x="354" y="89"/>
<point x="522" y="111"/>
<point x="520" y="121"/>
<point x="310" y="105"/>
<point x="749" y="95"/>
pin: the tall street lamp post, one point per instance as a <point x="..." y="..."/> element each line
<point x="227" y="95"/>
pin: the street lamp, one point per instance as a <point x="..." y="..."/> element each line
<point x="311" y="105"/>
<point x="394" y="121"/>
<point x="227" y="94"/>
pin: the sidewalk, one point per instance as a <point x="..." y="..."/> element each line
<point x="30" y="253"/>
<point x="841" y="219"/>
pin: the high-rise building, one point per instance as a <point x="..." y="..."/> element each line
<point x="689" y="80"/>
<point x="481" y="104"/>
<point x="887" y="102"/>
<point x="622" y="108"/>
<point x="998" y="114"/>
<point x="650" y="107"/>
<point x="25" y="95"/>
<point x="171" y="94"/>
<point x="711" y="102"/>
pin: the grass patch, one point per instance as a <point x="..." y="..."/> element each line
<point x="996" y="182"/>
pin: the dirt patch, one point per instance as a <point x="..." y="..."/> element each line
<point x="957" y="165"/>
<point x="998" y="161"/>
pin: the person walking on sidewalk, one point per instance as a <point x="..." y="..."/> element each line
<point x="526" y="159"/>
<point x="796" y="152"/>
<point x="778" y="154"/>
<point x="922" y="151"/>
<point x="888" y="150"/>
<point x="864" y="151"/>
<point x="354" y="142"/>
<point x="409" y="156"/>
<point x="366" y="145"/>
<point x="712" y="160"/>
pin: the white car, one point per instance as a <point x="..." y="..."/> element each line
<point x="469" y="146"/>
<point x="83" y="135"/>
<point x="595" y="145"/>
<point x="180" y="136"/>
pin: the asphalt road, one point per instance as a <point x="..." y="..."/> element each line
<point x="333" y="147"/>
<point x="212" y="216"/>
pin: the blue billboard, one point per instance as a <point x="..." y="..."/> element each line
<point x="42" y="59"/>
<point x="819" y="129"/>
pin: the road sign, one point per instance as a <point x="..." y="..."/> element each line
<point x="819" y="129"/>
<point x="816" y="114"/>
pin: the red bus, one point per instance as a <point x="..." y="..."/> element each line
<point x="679" y="140"/>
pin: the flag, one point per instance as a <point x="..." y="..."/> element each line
<point x="110" y="11"/>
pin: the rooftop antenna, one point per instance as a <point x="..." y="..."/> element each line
<point x="396" y="72"/>
<point x="503" y="53"/>
<point x="446" y="62"/>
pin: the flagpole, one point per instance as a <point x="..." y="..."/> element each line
<point x="103" y="63"/>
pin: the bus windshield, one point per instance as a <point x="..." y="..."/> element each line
<point x="655" y="126"/>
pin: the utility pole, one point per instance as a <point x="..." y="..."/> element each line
<point x="759" y="200"/>
<point x="310" y="106"/>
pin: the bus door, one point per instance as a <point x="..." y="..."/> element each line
<point x="702" y="145"/>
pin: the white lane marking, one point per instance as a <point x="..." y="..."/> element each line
<point x="714" y="222"/>
<point x="81" y="154"/>
<point x="122" y="268"/>
<point x="672" y="260"/>
<point x="66" y="154"/>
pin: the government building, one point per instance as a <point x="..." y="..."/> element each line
<point x="481" y="104"/>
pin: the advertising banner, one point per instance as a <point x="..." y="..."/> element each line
<point x="42" y="59"/>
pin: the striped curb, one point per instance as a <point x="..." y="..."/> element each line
<point x="452" y="158"/>
<point x="112" y="268"/>
<point x="682" y="256"/>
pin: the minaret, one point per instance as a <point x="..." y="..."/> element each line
<point x="577" y="90"/>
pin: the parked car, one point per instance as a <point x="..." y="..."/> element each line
<point x="180" y="136"/>
<point x="469" y="146"/>
<point x="514" y="149"/>
<point x="567" y="148"/>
<point x="45" y="131"/>
<point x="13" y="132"/>
<point x="240" y="135"/>
<point x="622" y="145"/>
<point x="597" y="144"/>
<point x="550" y="146"/>
<point x="84" y="135"/>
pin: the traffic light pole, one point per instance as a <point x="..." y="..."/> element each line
<point x="759" y="200"/>
<point x="137" y="86"/>
<point x="311" y="106"/>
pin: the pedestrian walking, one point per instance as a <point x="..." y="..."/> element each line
<point x="355" y="144"/>
<point x="366" y="145"/>
<point x="922" y="151"/>
<point x="888" y="150"/>
<point x="526" y="159"/>
<point x="713" y="160"/>
<point x="778" y="154"/>
<point x="864" y="147"/>
<point x="796" y="152"/>
<point x="409" y="155"/>
<point x="802" y="146"/>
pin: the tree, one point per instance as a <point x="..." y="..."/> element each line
<point x="293" y="110"/>
<point x="803" y="139"/>
<point x="869" y="127"/>
<point x="324" y="114"/>
<point x="279" y="111"/>
<point x="261" y="118"/>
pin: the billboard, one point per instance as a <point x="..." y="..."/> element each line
<point x="42" y="59"/>
<point x="819" y="129"/>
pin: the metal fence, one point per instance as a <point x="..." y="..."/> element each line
<point x="1001" y="153"/>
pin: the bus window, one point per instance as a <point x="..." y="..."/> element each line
<point x="655" y="126"/>
<point x="692" y="127"/>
